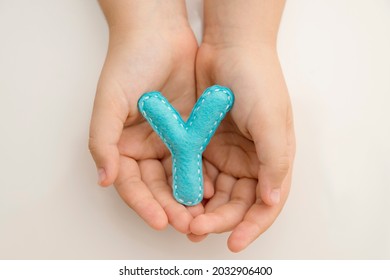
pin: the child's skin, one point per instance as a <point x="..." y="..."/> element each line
<point x="248" y="163"/>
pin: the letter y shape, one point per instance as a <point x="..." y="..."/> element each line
<point x="187" y="140"/>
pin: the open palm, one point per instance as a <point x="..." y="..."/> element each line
<point x="135" y="157"/>
<point x="253" y="149"/>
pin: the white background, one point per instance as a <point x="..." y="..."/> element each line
<point x="336" y="59"/>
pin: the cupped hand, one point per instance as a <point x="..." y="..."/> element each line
<point x="250" y="158"/>
<point x="127" y="152"/>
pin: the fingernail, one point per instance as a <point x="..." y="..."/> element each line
<point x="275" y="197"/>
<point x="101" y="175"/>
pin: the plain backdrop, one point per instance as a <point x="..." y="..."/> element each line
<point x="336" y="59"/>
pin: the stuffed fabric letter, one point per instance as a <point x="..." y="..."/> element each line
<point x="187" y="140"/>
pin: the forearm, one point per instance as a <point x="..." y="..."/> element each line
<point x="230" y="22"/>
<point x="125" y="15"/>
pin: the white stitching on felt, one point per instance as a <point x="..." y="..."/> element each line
<point x="200" y="176"/>
<point x="181" y="124"/>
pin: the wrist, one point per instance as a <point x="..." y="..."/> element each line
<point x="225" y="37"/>
<point x="232" y="22"/>
<point x="236" y="43"/>
<point x="125" y="17"/>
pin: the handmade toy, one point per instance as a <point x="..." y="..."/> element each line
<point x="187" y="140"/>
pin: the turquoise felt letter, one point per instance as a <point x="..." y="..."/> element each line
<point x="187" y="140"/>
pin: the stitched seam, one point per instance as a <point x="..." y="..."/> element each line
<point x="199" y="155"/>
<point x="219" y="119"/>
<point x="174" y="168"/>
<point x="212" y="130"/>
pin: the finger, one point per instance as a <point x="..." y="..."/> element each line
<point x="140" y="142"/>
<point x="167" y="165"/>
<point x="153" y="175"/>
<point x="257" y="220"/>
<point x="229" y="215"/>
<point x="211" y="171"/>
<point x="196" y="238"/>
<point x="108" y="116"/>
<point x="224" y="186"/>
<point x="135" y="193"/>
<point x="195" y="210"/>
<point x="269" y="134"/>
<point x="208" y="184"/>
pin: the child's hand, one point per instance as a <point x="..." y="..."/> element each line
<point x="250" y="157"/>
<point x="151" y="48"/>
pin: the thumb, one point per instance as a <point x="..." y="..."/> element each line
<point x="270" y="138"/>
<point x="108" y="117"/>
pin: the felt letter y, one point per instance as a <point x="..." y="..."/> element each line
<point x="187" y="140"/>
